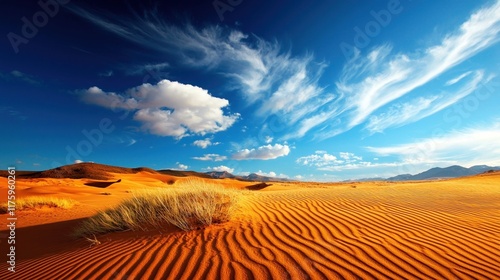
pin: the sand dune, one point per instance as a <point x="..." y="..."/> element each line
<point x="418" y="230"/>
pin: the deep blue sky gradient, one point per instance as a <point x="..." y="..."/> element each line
<point x="43" y="115"/>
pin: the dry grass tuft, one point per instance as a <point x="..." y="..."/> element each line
<point x="33" y="202"/>
<point x="190" y="205"/>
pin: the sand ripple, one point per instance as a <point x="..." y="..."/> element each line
<point x="303" y="234"/>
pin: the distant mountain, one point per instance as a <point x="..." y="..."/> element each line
<point x="220" y="174"/>
<point x="402" y="177"/>
<point x="253" y="177"/>
<point x="447" y="172"/>
<point x="181" y="173"/>
<point x="98" y="171"/>
<point x="365" y="180"/>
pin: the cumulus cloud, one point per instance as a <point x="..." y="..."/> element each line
<point x="263" y="153"/>
<point x="277" y="81"/>
<point x="319" y="159"/>
<point x="204" y="143"/>
<point x="322" y="160"/>
<point x="211" y="157"/>
<point x="181" y="166"/>
<point x="168" y="108"/>
<point x="220" y="168"/>
<point x="271" y="174"/>
<point x="287" y="86"/>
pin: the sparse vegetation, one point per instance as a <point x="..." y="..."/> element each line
<point x="190" y="205"/>
<point x="93" y="241"/>
<point x="33" y="202"/>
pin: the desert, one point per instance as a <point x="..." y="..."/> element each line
<point x="238" y="139"/>
<point x="443" y="229"/>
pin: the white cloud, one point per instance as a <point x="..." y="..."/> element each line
<point x="263" y="152"/>
<point x="322" y="160"/>
<point x="281" y="83"/>
<point x="204" y="143"/>
<point x="78" y="161"/>
<point x="458" y="78"/>
<point x="24" y="77"/>
<point x="268" y="139"/>
<point x="287" y="86"/>
<point x="348" y="157"/>
<point x="403" y="113"/>
<point x="269" y="174"/>
<point x="319" y="159"/>
<point x="181" y="166"/>
<point x="369" y="83"/>
<point x="220" y="168"/>
<point x="154" y="70"/>
<point x="211" y="157"/>
<point x="168" y="108"/>
<point x="108" y="73"/>
<point x="465" y="147"/>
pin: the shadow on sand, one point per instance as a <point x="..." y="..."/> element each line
<point x="100" y="184"/>
<point x="36" y="241"/>
<point x="258" y="186"/>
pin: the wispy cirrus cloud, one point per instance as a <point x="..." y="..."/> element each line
<point x="277" y="81"/>
<point x="402" y="113"/>
<point x="21" y="76"/>
<point x="467" y="146"/>
<point x="168" y="108"/>
<point x="288" y="86"/>
<point x="211" y="157"/>
<point x="148" y="68"/>
<point x="369" y="83"/>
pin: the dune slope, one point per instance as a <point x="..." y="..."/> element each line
<point x="431" y="230"/>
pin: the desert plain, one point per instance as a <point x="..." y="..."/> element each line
<point x="442" y="229"/>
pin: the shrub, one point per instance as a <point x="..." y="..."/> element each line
<point x="33" y="202"/>
<point x="192" y="204"/>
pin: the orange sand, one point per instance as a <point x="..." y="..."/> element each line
<point x="374" y="230"/>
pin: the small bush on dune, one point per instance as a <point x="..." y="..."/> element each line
<point x="191" y="205"/>
<point x="33" y="202"/>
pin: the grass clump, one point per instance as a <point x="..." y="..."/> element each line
<point x="33" y="202"/>
<point x="190" y="205"/>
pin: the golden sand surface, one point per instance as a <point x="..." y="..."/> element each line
<point x="448" y="229"/>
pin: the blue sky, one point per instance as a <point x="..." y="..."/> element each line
<point x="311" y="91"/>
